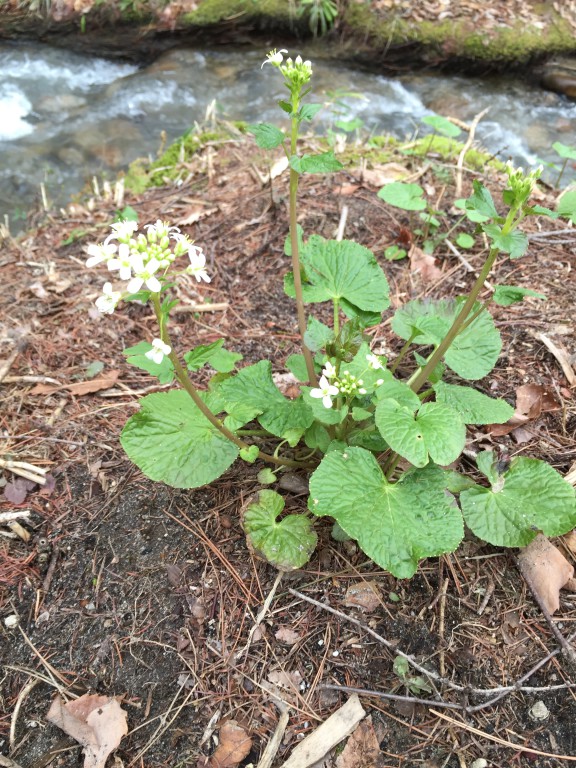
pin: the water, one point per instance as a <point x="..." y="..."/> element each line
<point x="65" y="118"/>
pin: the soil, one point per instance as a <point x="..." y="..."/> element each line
<point x="132" y="589"/>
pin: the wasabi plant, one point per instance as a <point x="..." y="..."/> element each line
<point x="376" y="446"/>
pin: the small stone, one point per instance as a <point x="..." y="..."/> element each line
<point x="11" y="621"/>
<point x="539" y="711"/>
<point x="480" y="763"/>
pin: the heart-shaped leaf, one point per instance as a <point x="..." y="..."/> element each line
<point x="286" y="544"/>
<point x="396" y="524"/>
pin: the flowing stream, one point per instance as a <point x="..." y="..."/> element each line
<point x="65" y="118"/>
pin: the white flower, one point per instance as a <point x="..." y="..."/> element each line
<point x="329" y="370"/>
<point x="122" y="230"/>
<point x="158" y="352"/>
<point x="122" y="263"/>
<point x="274" y="57"/>
<point x="197" y="264"/>
<point x="374" y="362"/>
<point x="109" y="300"/>
<point x="159" y="230"/>
<point x="379" y="382"/>
<point x="98" y="253"/>
<point x="144" y="274"/>
<point x="326" y="391"/>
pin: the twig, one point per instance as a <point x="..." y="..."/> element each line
<point x="21" y="696"/>
<point x="465" y="148"/>
<point x="560" y="356"/>
<point x="342" y="224"/>
<point x="261" y="615"/>
<point x="392" y="696"/>
<point x="501" y="691"/>
<point x="6" y="517"/>
<point x="6" y="762"/>
<point x="274" y="744"/>
<point x="22" y="468"/>
<point x="7" y="364"/>
<point x="52" y="672"/>
<point x="503" y="742"/>
<point x="466" y="263"/>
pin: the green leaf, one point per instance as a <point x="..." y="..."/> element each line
<point x="286" y="106"/>
<point x="343" y="269"/>
<point x="395" y="524"/>
<point x="267" y="135"/>
<point x="474" y="407"/>
<point x="287" y="544"/>
<point x="471" y="214"/>
<point x="481" y="201"/>
<point x="405" y="196"/>
<point x="436" y="374"/>
<point x="317" y="335"/>
<point x="565" y="152"/>
<point x="465" y="240"/>
<point x="325" y="162"/>
<point x="220" y="359"/>
<point x="435" y="432"/>
<point x="361" y="414"/>
<point x="136" y="356"/>
<point x="392" y="389"/>
<point x="266" y="476"/>
<point x="171" y="441"/>
<point x="475" y="350"/>
<point x="309" y="111"/>
<point x="394" y="253"/>
<point x="365" y="318"/>
<point x="486" y="463"/>
<point x="252" y="393"/>
<point x="442" y="125"/>
<point x="324" y="415"/>
<point x="249" y="454"/>
<point x="505" y="295"/>
<point x="296" y="364"/>
<point x="126" y="214"/>
<point x="316" y="436"/>
<point x="567" y="205"/>
<point x="515" y="243"/>
<point x="349" y="125"/>
<point x="530" y="497"/>
<point x="93" y="369"/>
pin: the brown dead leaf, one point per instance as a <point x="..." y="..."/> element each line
<point x="424" y="264"/>
<point x="290" y="681"/>
<point x="362" y="749"/>
<point x="384" y="174"/>
<point x="569" y="540"/>
<point x="531" y="401"/>
<point x="287" y="635"/>
<point x="366" y="596"/>
<point x="96" y="722"/>
<point x="196" y="213"/>
<point x="546" y="570"/>
<point x="234" y="746"/>
<point x="81" y="387"/>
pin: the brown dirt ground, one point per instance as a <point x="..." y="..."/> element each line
<point x="133" y="589"/>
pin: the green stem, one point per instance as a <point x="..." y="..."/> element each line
<point x="294" y="177"/>
<point x="559" y="179"/>
<point x="403" y="352"/>
<point x="188" y="386"/>
<point x="336" y="316"/>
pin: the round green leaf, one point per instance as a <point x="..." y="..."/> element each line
<point x="435" y="432"/>
<point x="287" y="544"/>
<point x="566" y="152"/>
<point x="405" y="196"/>
<point x="442" y="125"/>
<point x="171" y="441"/>
<point x="529" y="498"/>
<point x="465" y="240"/>
<point x="395" y="524"/>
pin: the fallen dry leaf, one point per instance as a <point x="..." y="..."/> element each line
<point x="546" y="570"/>
<point x="424" y="264"/>
<point x="234" y="746"/>
<point x="362" y="749"/>
<point x="287" y="635"/>
<point x="80" y="387"/>
<point x="384" y="174"/>
<point x="290" y="681"/>
<point x="531" y="401"/>
<point x="96" y="722"/>
<point x="569" y="540"/>
<point x="366" y="596"/>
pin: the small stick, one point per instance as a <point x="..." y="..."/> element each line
<point x="261" y="615"/>
<point x="442" y="625"/>
<point x="7" y="364"/>
<point x="465" y="148"/>
<point x="274" y="744"/>
<point x="487" y="595"/>
<point x="21" y="696"/>
<point x="6" y="517"/>
<point x="5" y="762"/>
<point x="28" y="471"/>
<point x="342" y="224"/>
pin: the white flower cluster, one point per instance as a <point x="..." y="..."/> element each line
<point x="297" y="72"/>
<point x="143" y="259"/>
<point x="347" y="384"/>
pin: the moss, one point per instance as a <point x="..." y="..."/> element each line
<point x="459" y="39"/>
<point x="214" y="11"/>
<point x="169" y="166"/>
<point x="384" y="149"/>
